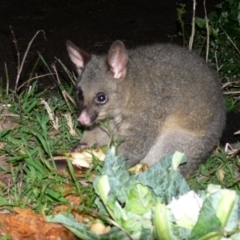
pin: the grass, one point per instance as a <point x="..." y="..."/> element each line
<point x="216" y="38"/>
<point x="219" y="169"/>
<point x="37" y="126"/>
<point x="43" y="125"/>
<point x="30" y="148"/>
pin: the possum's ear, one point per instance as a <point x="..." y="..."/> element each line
<point x="78" y="56"/>
<point x="118" y="59"/>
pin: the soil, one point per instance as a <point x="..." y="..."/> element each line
<point x="91" y="24"/>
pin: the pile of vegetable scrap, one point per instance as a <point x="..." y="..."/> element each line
<point x="25" y="224"/>
<point x="155" y="204"/>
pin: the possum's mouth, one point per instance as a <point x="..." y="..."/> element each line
<point x="102" y="116"/>
<point x="93" y="118"/>
<point x="87" y="119"/>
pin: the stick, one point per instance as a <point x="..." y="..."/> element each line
<point x="191" y="39"/>
<point x="24" y="58"/>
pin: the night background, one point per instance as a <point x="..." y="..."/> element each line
<point x="91" y="24"/>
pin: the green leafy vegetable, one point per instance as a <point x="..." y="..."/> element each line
<point x="158" y="204"/>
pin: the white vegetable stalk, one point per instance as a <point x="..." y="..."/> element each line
<point x="177" y="159"/>
<point x="162" y="222"/>
<point x="225" y="205"/>
<point x="226" y="199"/>
<point x="103" y="189"/>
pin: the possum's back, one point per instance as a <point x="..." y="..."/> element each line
<point x="176" y="79"/>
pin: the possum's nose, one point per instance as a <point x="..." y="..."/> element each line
<point x="84" y="118"/>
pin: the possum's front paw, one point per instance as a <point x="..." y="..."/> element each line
<point x="79" y="147"/>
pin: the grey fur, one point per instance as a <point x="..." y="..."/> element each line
<point x="166" y="98"/>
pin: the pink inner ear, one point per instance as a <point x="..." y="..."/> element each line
<point x="75" y="57"/>
<point x="117" y="59"/>
<point x="117" y="70"/>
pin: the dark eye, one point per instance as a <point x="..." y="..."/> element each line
<point x="101" y="98"/>
<point x="80" y="96"/>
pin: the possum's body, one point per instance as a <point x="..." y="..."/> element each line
<point x="158" y="99"/>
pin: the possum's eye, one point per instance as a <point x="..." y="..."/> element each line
<point x="80" y="96"/>
<point x="101" y="98"/>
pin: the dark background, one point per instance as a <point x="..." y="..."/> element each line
<point x="93" y="25"/>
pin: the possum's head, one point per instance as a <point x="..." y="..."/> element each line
<point x="99" y="87"/>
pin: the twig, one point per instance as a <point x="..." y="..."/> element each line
<point x="34" y="67"/>
<point x="7" y="78"/>
<point x="216" y="60"/>
<point x="231" y="41"/>
<point x="17" y="49"/>
<point x="230" y="83"/>
<point x="71" y="76"/>
<point x="228" y="93"/>
<point x="37" y="77"/>
<point x="55" y="70"/>
<point x="191" y="39"/>
<point x="63" y="91"/>
<point x="208" y="30"/>
<point x="24" y="58"/>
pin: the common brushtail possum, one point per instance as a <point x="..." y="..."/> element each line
<point x="158" y="99"/>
